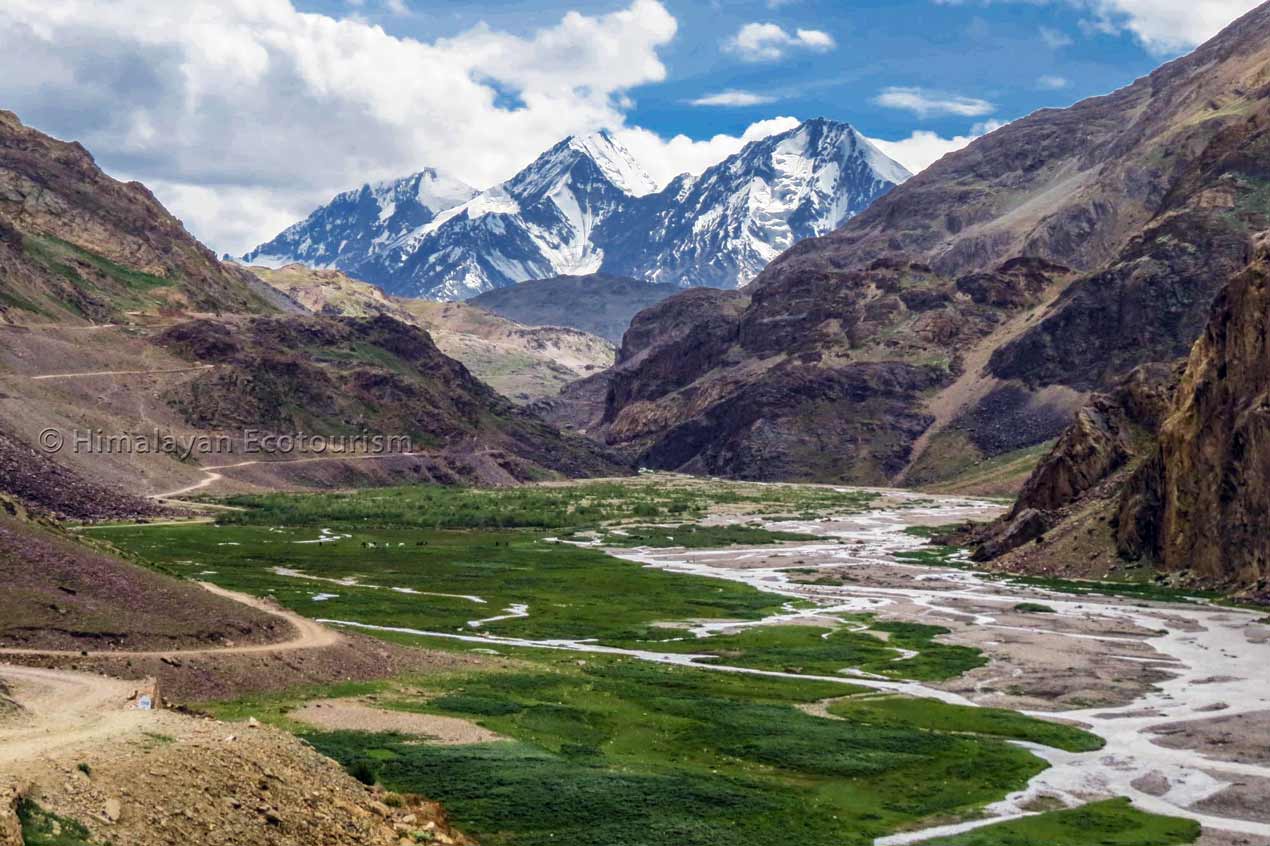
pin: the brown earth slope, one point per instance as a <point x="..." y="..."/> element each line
<point x="76" y="244"/>
<point x="970" y="312"/>
<point x="60" y="594"/>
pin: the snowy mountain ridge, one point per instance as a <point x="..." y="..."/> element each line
<point x="586" y="206"/>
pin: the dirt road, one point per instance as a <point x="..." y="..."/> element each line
<point x="308" y="635"/>
<point x="62" y="710"/>
<point x="90" y="373"/>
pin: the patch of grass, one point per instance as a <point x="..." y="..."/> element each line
<point x="579" y="506"/>
<point x="931" y="715"/>
<point x="42" y="828"/>
<point x="813" y="650"/>
<point x="1033" y="608"/>
<point x="617" y="751"/>
<point x="571" y="592"/>
<point x="934" y="555"/>
<point x="1114" y="822"/>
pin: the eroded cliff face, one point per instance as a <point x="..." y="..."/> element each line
<point x="1202" y="502"/>
<point x="1170" y="471"/>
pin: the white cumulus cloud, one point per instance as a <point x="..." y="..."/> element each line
<point x="923" y="148"/>
<point x="1167" y="26"/>
<point x="665" y="159"/>
<point x="243" y="115"/>
<point x="925" y="103"/>
<point x="769" y="42"/>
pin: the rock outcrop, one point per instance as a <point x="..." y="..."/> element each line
<point x="1171" y="471"/>
<point x="1202" y="502"/>
<point x="1110" y="436"/>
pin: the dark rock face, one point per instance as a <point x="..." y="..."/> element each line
<point x="1202" y="502"/>
<point x="1149" y="306"/>
<point x="1011" y="417"/>
<point x="1108" y="433"/>
<point x="855" y="423"/>
<point x="1194" y="499"/>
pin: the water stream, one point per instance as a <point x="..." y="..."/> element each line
<point x="1217" y="659"/>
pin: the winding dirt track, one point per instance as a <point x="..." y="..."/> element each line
<point x="308" y="635"/>
<point x="62" y="710"/>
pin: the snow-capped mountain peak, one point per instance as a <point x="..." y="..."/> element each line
<point x="357" y="224"/>
<point x="723" y="227"/>
<point x="598" y="150"/>
<point x="615" y="162"/>
<point x="586" y="205"/>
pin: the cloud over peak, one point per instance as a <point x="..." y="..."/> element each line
<point x="242" y="117"/>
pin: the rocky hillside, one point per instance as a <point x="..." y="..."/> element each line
<point x="336" y="376"/>
<point x="586" y="206"/>
<point x="1168" y="470"/>
<point x="967" y="315"/>
<point x="598" y="303"/>
<point x="60" y="594"/>
<point x="524" y="363"/>
<point x="1201" y="503"/>
<point x="76" y="244"/>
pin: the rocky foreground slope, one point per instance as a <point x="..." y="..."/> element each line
<point x="968" y="314"/>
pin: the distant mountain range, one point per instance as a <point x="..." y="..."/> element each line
<point x="586" y="206"/>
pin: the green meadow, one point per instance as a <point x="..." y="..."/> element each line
<point x="610" y="750"/>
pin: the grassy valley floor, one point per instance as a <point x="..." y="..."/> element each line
<point x="628" y="705"/>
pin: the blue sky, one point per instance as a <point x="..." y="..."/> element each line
<point x="244" y="115"/>
<point x="1017" y="56"/>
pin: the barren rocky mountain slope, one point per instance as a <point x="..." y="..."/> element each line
<point x="967" y="315"/>
<point x="597" y="303"/>
<point x="76" y="243"/>
<point x="524" y="363"/>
